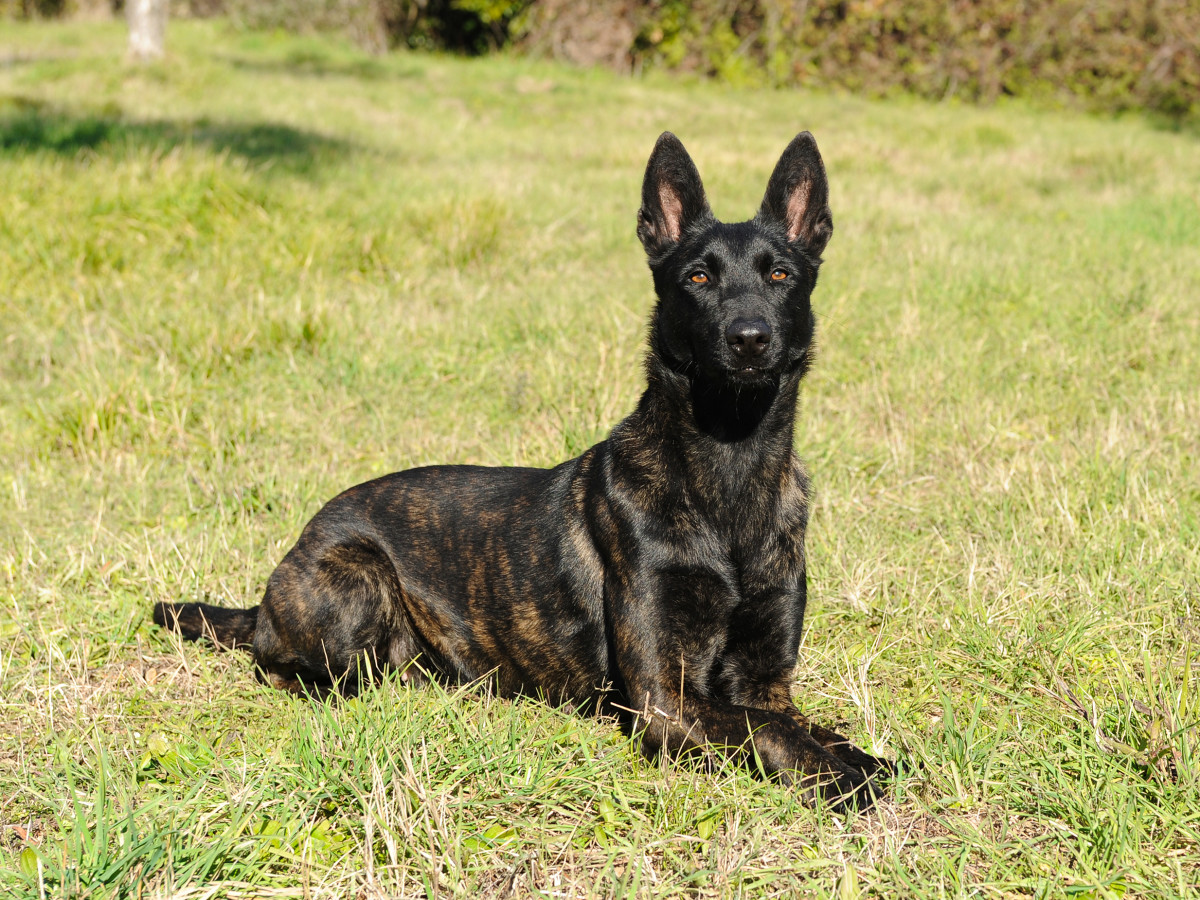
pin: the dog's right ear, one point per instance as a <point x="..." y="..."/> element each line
<point x="672" y="196"/>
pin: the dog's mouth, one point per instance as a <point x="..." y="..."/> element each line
<point x="750" y="370"/>
<point x="750" y="374"/>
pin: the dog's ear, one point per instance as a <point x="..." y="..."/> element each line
<point x="672" y="196"/>
<point x="798" y="195"/>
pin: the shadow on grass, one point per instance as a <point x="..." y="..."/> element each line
<point x="33" y="126"/>
<point x="318" y="65"/>
<point x="1188" y="126"/>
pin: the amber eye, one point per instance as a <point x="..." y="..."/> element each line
<point x="779" y="275"/>
<point x="699" y="278"/>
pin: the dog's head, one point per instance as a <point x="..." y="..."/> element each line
<point x="734" y="298"/>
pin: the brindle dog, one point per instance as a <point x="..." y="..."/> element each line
<point x="661" y="573"/>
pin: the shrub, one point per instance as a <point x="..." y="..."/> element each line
<point x="1108" y="53"/>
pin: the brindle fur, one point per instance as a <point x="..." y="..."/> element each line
<point x="662" y="572"/>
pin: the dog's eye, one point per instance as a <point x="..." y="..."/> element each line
<point x="699" y="278"/>
<point x="778" y="275"/>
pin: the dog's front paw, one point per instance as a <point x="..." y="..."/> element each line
<point x="854" y="793"/>
<point x="843" y="790"/>
<point x="872" y="767"/>
<point x="875" y="769"/>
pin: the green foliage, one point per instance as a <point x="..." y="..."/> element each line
<point x="233" y="285"/>
<point x="469" y="26"/>
<point x="1113" y="54"/>
<point x="1103" y="54"/>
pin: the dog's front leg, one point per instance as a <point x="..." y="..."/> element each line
<point x="673" y="715"/>
<point x="688" y="724"/>
<point x="757" y="665"/>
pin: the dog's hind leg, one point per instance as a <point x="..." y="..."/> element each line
<point x="333" y="618"/>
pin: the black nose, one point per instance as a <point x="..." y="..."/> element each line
<point x="748" y="338"/>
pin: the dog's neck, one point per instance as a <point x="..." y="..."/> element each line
<point x="737" y="415"/>
<point x="729" y="440"/>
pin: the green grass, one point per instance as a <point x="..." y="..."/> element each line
<point x="236" y="283"/>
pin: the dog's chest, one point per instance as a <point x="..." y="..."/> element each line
<point x="730" y="592"/>
<point x="715" y="568"/>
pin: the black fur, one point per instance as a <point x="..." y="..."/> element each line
<point x="661" y="573"/>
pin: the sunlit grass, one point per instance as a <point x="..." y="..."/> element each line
<point x="236" y="283"/>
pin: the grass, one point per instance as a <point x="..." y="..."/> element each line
<point x="236" y="283"/>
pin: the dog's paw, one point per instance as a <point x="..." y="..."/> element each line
<point x="874" y="768"/>
<point x="854" y="794"/>
<point x="870" y="766"/>
<point x="864" y="762"/>
<point x="843" y="791"/>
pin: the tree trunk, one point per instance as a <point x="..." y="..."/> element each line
<point x="147" y="28"/>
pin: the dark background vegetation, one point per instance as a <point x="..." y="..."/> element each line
<point x="1103" y="54"/>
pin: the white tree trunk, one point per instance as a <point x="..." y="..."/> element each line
<point x="147" y="28"/>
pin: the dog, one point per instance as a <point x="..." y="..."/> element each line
<point x="660" y="575"/>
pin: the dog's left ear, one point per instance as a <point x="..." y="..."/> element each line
<point x="672" y="196"/>
<point x="798" y="195"/>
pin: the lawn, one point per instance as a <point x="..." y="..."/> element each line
<point x="235" y="283"/>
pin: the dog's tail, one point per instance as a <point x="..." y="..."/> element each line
<point x="224" y="627"/>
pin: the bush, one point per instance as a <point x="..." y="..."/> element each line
<point x="1109" y="53"/>
<point x="464" y="26"/>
